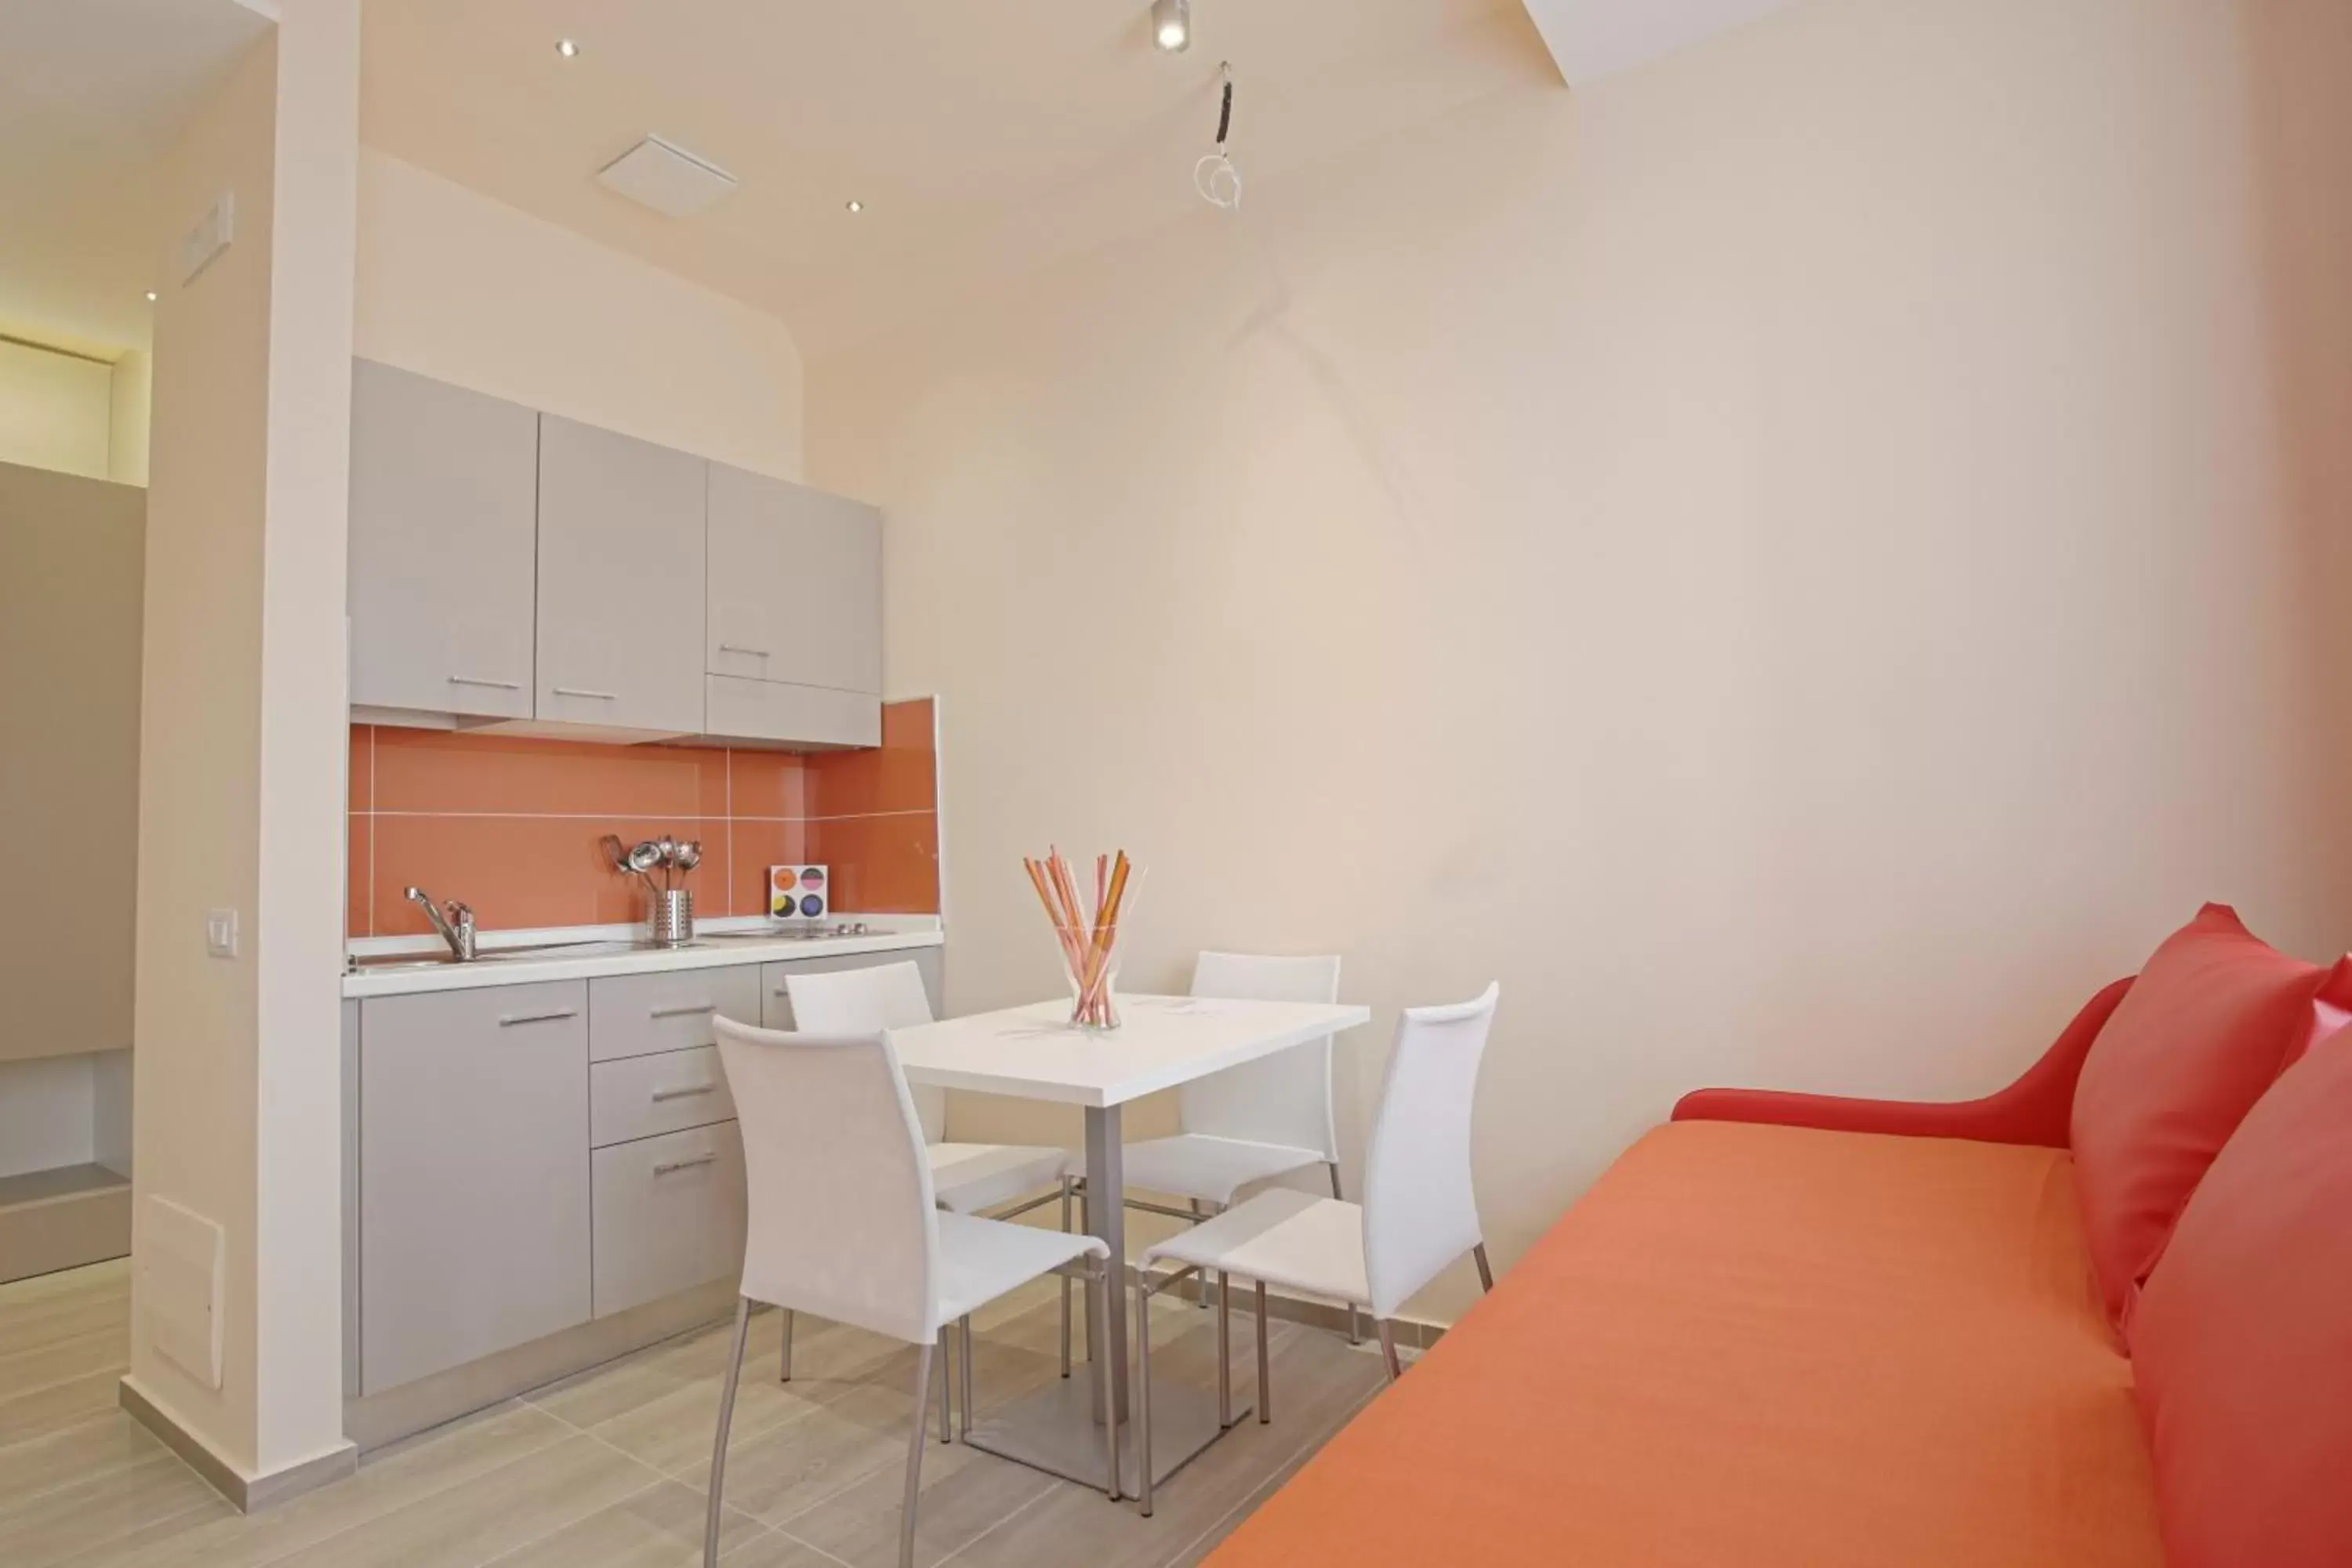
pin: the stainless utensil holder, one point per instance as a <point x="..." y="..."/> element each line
<point x="669" y="917"/>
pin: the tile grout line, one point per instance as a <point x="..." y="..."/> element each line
<point x="526" y="1545"/>
<point x="1052" y="1489"/>
<point x="1259" y="1492"/>
<point x="807" y="1545"/>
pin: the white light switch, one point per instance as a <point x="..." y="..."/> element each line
<point x="220" y="932"/>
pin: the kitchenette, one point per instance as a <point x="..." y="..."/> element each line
<point x="620" y="764"/>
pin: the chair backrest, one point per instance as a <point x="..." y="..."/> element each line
<point x="1282" y="1099"/>
<point x="1420" y="1211"/>
<point x="867" y="1002"/>
<point x="841" y="1222"/>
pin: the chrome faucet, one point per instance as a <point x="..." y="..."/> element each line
<point x="457" y="927"/>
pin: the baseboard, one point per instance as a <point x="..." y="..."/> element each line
<point x="373" y="1420"/>
<point x="251" y="1494"/>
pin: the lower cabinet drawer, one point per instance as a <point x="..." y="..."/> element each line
<point x="643" y="1096"/>
<point x="669" y="1215"/>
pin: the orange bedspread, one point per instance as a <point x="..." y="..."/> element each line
<point x="1760" y="1347"/>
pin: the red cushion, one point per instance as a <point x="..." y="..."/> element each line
<point x="2208" y="1025"/>
<point x="2242" y="1339"/>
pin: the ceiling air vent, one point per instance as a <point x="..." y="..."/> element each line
<point x="666" y="178"/>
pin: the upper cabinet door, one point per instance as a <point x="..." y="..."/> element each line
<point x="795" y="584"/>
<point x="444" y="491"/>
<point x="619" y="580"/>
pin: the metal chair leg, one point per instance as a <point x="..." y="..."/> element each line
<point x="1105" y="1304"/>
<point x="964" y="1360"/>
<point x="1142" y="1396"/>
<point x="1486" y="1270"/>
<point x="1224" y="1350"/>
<point x="1355" y="1324"/>
<point x="718" y="1443"/>
<point x="787" y="1315"/>
<point x="1265" y="1390"/>
<point x="1200" y="1280"/>
<point x="1389" y="1350"/>
<point x="947" y="1401"/>
<point x="1065" y="1281"/>
<point x="915" y="1457"/>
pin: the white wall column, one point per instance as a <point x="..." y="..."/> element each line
<point x="237" y="1300"/>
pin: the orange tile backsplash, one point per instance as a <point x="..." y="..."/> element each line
<point x="510" y="825"/>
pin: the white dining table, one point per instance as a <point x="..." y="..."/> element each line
<point x="1035" y="1053"/>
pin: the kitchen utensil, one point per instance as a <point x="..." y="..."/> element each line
<point x="611" y="844"/>
<point x="689" y="856"/>
<point x="668" y="847"/>
<point x="669" y="917"/>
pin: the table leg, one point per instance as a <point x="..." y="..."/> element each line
<point x="1107" y="1220"/>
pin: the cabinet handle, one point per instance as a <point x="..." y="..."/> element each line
<point x="685" y="1011"/>
<point x="493" y="685"/>
<point x="739" y="647"/>
<point x="687" y="1092"/>
<point x="667" y="1166"/>
<point x="584" y="692"/>
<point x="511" y="1019"/>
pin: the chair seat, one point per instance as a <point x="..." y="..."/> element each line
<point x="1293" y="1240"/>
<point x="1196" y="1165"/>
<point x="980" y="1259"/>
<point x="969" y="1177"/>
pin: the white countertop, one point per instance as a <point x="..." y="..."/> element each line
<point x="1036" y="1053"/>
<point x="592" y="951"/>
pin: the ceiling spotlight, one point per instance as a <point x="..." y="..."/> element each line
<point x="856" y="205"/>
<point x="567" y="47"/>
<point x="1171" y="24"/>
<point x="151" y="296"/>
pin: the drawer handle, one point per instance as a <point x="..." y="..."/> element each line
<point x="686" y="1012"/>
<point x="686" y="1093"/>
<point x="739" y="647"/>
<point x="493" y="685"/>
<point x="511" y="1019"/>
<point x="584" y="692"/>
<point x="667" y="1166"/>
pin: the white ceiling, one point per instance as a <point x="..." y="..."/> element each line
<point x="92" y="93"/>
<point x="1591" y="39"/>
<point x="985" y="137"/>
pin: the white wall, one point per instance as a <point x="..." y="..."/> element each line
<point x="244" y="740"/>
<point x="54" y="410"/>
<point x="1804" y="561"/>
<point x="129" y="390"/>
<point x="454" y="285"/>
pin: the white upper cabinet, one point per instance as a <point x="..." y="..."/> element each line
<point x="795" y="613"/>
<point x="795" y="584"/>
<point x="619" y="580"/>
<point x="444" y="488"/>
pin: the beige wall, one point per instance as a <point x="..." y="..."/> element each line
<point x="242" y="746"/>
<point x="195" y="1064"/>
<point x="54" y="410"/>
<point x="70" y="570"/>
<point x="454" y="285"/>
<point x="1804" y="561"/>
<point x="130" y="390"/>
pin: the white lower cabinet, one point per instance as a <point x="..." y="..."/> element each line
<point x="473" y="1124"/>
<point x="669" y="1214"/>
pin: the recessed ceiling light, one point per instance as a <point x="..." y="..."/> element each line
<point x="569" y="48"/>
<point x="856" y="205"/>
<point x="1171" y="24"/>
<point x="151" y="296"/>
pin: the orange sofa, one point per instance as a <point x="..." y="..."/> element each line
<point x="1782" y="1332"/>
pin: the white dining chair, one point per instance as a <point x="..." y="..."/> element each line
<point x="844" y="1222"/>
<point x="1418" y="1216"/>
<point x="969" y="1178"/>
<point x="1251" y="1123"/>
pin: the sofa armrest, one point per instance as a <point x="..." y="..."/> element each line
<point x="2035" y="1109"/>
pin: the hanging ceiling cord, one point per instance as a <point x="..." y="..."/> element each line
<point x="1214" y="177"/>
